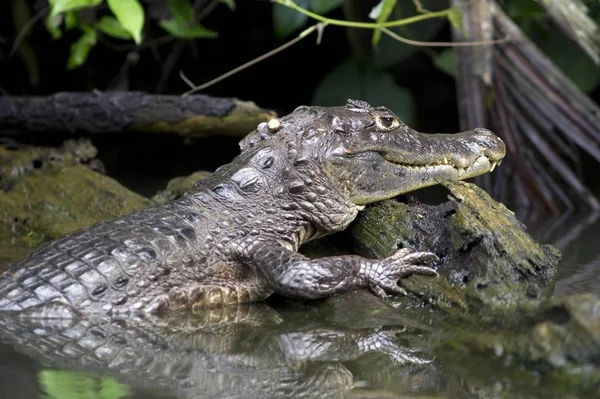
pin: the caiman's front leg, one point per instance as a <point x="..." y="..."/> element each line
<point x="294" y="275"/>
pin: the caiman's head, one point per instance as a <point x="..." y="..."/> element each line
<point x="369" y="154"/>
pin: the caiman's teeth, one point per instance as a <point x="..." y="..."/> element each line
<point x="461" y="171"/>
<point x="493" y="166"/>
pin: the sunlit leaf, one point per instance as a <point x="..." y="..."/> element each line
<point x="59" y="384"/>
<point x="322" y="7"/>
<point x="61" y="6"/>
<point x="195" y="31"/>
<point x="53" y="26"/>
<point x="229" y="3"/>
<point x="81" y="48"/>
<point x="112" y="27"/>
<point x="287" y="20"/>
<point x="131" y="15"/>
<point x="350" y="80"/>
<point x="446" y="61"/>
<point x="71" y="20"/>
<point x="112" y="389"/>
<point x="382" y="14"/>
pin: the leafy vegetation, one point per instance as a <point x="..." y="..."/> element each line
<point x="119" y="19"/>
<point x="382" y="39"/>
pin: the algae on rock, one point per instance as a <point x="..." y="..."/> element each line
<point x="489" y="264"/>
<point x="48" y="192"/>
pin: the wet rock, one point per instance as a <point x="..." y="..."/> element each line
<point x="178" y="186"/>
<point x="489" y="264"/>
<point x="48" y="192"/>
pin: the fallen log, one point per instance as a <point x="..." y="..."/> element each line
<point x="116" y="112"/>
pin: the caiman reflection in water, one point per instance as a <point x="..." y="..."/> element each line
<point x="238" y="351"/>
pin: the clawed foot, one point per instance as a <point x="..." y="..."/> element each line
<point x="386" y="341"/>
<point x="383" y="275"/>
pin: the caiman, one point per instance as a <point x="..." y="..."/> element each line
<point x="234" y="237"/>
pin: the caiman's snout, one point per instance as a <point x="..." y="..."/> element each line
<point x="448" y="156"/>
<point x="493" y="146"/>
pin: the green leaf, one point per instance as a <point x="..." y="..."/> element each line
<point x="53" y="26"/>
<point x="182" y="11"/>
<point x="229" y="3"/>
<point x="381" y="12"/>
<point x="287" y="20"/>
<point x="71" y="20"/>
<point x="351" y="80"/>
<point x="61" y="6"/>
<point x="112" y="389"/>
<point x="182" y="24"/>
<point x="81" y="48"/>
<point x="112" y="27"/>
<point x="446" y="61"/>
<point x="29" y="59"/>
<point x="322" y="7"/>
<point x="131" y="15"/>
<point x="390" y="51"/>
<point x="455" y="17"/>
<point x="195" y="31"/>
<point x="60" y="384"/>
<point x="571" y="60"/>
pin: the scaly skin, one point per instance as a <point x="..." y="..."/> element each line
<point x="233" y="352"/>
<point x="234" y="237"/>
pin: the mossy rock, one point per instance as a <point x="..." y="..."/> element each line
<point x="48" y="192"/>
<point x="489" y="264"/>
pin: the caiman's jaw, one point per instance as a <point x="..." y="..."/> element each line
<point x="381" y="166"/>
<point x="448" y="167"/>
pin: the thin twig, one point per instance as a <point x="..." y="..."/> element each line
<point x="444" y="44"/>
<point x="26" y="28"/>
<point x="318" y="27"/>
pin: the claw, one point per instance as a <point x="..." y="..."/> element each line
<point x="401" y="253"/>
<point x="421" y="257"/>
<point x="380" y="292"/>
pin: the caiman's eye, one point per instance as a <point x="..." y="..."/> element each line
<point x="387" y="122"/>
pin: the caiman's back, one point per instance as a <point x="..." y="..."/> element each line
<point x="108" y="265"/>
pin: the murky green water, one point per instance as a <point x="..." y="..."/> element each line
<point x="348" y="346"/>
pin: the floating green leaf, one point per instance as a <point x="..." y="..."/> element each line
<point x="112" y="27"/>
<point x="324" y="6"/>
<point x="446" y="61"/>
<point x="287" y="20"/>
<point x="351" y="80"/>
<point x="59" y="384"/>
<point x="131" y="16"/>
<point x="229" y="3"/>
<point x="61" y="6"/>
<point x="81" y="48"/>
<point x="381" y="13"/>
